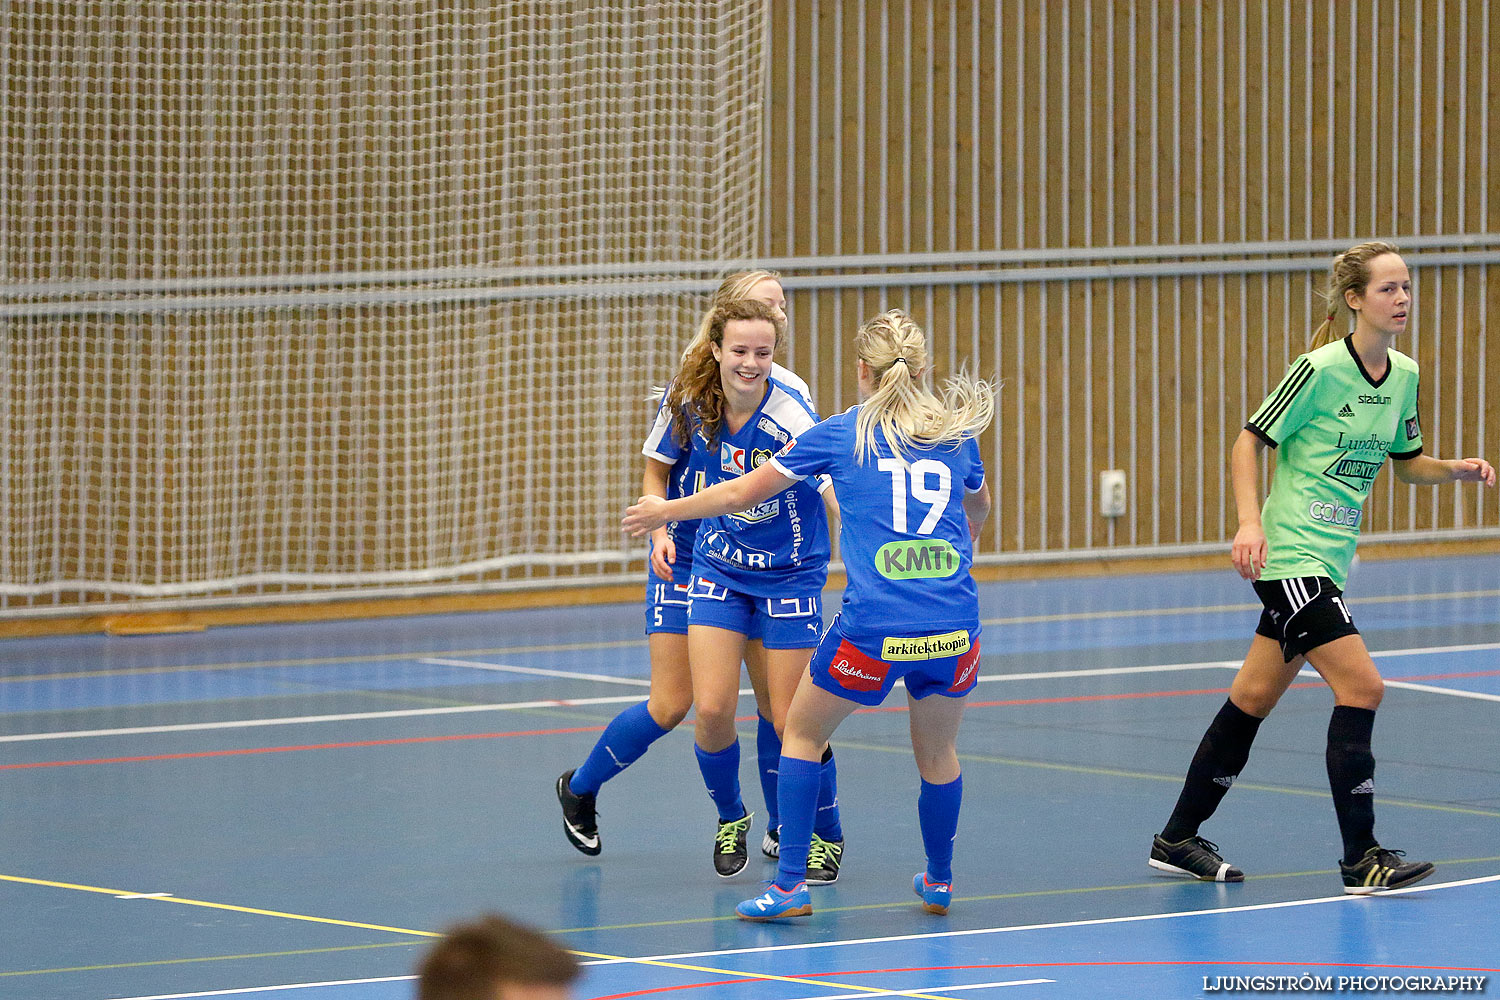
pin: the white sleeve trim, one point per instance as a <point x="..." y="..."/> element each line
<point x="977" y="488"/>
<point x="788" y="472"/>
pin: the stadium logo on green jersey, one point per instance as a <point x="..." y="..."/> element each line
<point x="927" y="559"/>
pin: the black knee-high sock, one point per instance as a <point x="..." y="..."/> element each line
<point x="1351" y="777"/>
<point x="1221" y="754"/>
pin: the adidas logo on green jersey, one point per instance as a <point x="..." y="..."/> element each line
<point x="1347" y="411"/>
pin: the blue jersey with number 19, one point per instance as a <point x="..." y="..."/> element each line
<point x="903" y="532"/>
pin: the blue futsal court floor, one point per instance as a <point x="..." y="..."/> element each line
<point x="294" y="811"/>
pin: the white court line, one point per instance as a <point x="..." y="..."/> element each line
<point x="404" y="713"/>
<point x="506" y="668"/>
<point x="880" y="940"/>
<point x="802" y="946"/>
<point x="272" y="989"/>
<point x="1432" y="689"/>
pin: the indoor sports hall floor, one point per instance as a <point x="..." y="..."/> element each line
<point x="293" y="811"/>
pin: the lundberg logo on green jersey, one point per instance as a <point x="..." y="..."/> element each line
<point x="1360" y="463"/>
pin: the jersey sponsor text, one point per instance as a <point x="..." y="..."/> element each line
<point x="925" y="647"/>
<point x="917" y="559"/>
<point x="1335" y="513"/>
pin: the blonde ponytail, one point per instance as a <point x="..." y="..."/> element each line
<point x="894" y="350"/>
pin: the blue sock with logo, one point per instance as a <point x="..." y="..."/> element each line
<point x="768" y="756"/>
<point x="937" y="811"/>
<point x="721" y="773"/>
<point x="628" y="736"/>
<point x="826" y="821"/>
<point x="798" y="790"/>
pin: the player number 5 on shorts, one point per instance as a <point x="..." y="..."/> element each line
<point x="936" y="498"/>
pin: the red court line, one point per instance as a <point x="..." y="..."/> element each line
<point x="843" y="973"/>
<point x="1011" y="702"/>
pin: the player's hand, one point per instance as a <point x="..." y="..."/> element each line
<point x="1249" y="551"/>
<point x="1474" y="470"/>
<point x="663" y="553"/>
<point x="645" y="515"/>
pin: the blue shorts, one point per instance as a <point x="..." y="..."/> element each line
<point x="778" y="622"/>
<point x="666" y="605"/>
<point x="864" y="669"/>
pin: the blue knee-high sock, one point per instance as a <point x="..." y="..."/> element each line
<point x="768" y="756"/>
<point x="798" y="792"/>
<point x="721" y="773"/>
<point x="937" y="811"/>
<point x="826" y="821"/>
<point x="625" y="739"/>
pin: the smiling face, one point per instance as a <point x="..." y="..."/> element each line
<point x="1385" y="304"/>
<point x="745" y="360"/>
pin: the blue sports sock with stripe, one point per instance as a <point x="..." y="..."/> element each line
<point x="721" y="774"/>
<point x="628" y="736"/>
<point x="768" y="756"/>
<point x="937" y="811"/>
<point x="799" y="800"/>
<point x="826" y="821"/>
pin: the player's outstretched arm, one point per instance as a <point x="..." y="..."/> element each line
<point x="649" y="513"/>
<point x="1424" y="470"/>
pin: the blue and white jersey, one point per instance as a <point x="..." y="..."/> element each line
<point x="687" y="478"/>
<point x="778" y="548"/>
<point x="904" y="534"/>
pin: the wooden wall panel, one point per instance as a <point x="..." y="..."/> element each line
<point x="1053" y="134"/>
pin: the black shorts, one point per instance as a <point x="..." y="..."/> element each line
<point x="1302" y="613"/>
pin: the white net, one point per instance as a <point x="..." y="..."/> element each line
<point x="307" y="297"/>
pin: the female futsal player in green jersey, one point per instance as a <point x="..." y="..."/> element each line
<point x="1339" y="411"/>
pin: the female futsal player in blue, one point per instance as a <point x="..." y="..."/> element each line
<point x="912" y="495"/>
<point x="756" y="575"/>
<point x="670" y="472"/>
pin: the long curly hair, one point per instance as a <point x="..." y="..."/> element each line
<point x="696" y="392"/>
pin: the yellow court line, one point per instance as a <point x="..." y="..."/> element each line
<point x="210" y="958"/>
<point x="575" y="647"/>
<point x="763" y="976"/>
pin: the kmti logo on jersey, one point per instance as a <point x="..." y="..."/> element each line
<point x="925" y="647"/>
<point x="917" y="559"/>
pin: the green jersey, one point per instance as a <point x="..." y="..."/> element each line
<point x="1334" y="425"/>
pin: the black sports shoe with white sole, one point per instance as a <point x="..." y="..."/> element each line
<point x="579" y="822"/>
<point x="1194" y="857"/>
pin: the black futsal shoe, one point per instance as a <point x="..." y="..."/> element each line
<point x="730" y="851"/>
<point x="579" y="823"/>
<point x="823" y="860"/>
<point x="1381" y="870"/>
<point x="1194" y="857"/>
